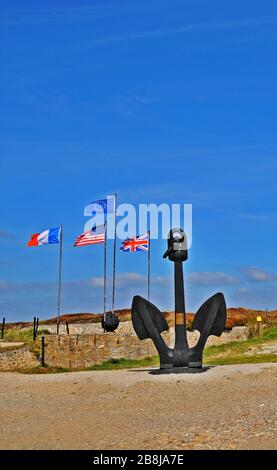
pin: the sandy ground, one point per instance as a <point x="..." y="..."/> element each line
<point x="225" y="407"/>
<point x="11" y="345"/>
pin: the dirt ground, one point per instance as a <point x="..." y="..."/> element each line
<point x="224" y="407"/>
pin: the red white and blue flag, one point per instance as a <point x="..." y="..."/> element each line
<point x="140" y="243"/>
<point x="47" y="237"/>
<point x="92" y="237"/>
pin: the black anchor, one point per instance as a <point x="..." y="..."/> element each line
<point x="149" y="322"/>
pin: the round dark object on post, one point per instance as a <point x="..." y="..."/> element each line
<point x="110" y="323"/>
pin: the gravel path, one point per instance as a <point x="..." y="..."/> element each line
<point x="225" y="407"/>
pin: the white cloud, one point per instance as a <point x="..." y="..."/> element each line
<point x="127" y="279"/>
<point x="122" y="280"/>
<point x="212" y="278"/>
<point x="259" y="275"/>
<point x="96" y="282"/>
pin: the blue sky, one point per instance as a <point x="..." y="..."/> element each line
<point x="159" y="100"/>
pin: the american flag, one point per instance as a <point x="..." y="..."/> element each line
<point x="92" y="237"/>
<point x="140" y="243"/>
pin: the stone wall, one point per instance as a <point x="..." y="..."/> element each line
<point x="236" y="334"/>
<point x="90" y="346"/>
<point x="82" y="351"/>
<point x="74" y="328"/>
<point x="15" y="359"/>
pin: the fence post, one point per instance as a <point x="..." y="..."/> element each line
<point x="37" y="326"/>
<point x="3" y="328"/>
<point x="42" y="352"/>
<point x="34" y="329"/>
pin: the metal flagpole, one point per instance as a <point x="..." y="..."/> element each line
<point x="148" y="262"/>
<point x="114" y="252"/>
<point x="60" y="280"/>
<point x="105" y="274"/>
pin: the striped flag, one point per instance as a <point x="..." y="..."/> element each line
<point x="48" y="237"/>
<point x="92" y="237"/>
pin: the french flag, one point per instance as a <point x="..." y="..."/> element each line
<point x="48" y="237"/>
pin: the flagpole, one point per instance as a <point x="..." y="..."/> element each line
<point x="114" y="252"/>
<point x="148" y="263"/>
<point x="105" y="274"/>
<point x="60" y="279"/>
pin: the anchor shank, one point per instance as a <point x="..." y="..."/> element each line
<point x="181" y="342"/>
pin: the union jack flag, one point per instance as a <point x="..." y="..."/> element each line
<point x="140" y="243"/>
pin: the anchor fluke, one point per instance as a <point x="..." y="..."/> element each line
<point x="209" y="320"/>
<point x="141" y="308"/>
<point x="211" y="316"/>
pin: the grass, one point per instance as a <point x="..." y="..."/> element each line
<point x="115" y="364"/>
<point x="112" y="364"/>
<point x="237" y="352"/>
<point x="271" y="333"/>
<point x="26" y="337"/>
<point x="255" y="359"/>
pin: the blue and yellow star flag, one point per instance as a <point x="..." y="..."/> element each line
<point x="101" y="206"/>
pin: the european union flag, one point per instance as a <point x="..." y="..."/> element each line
<point x="101" y="206"/>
